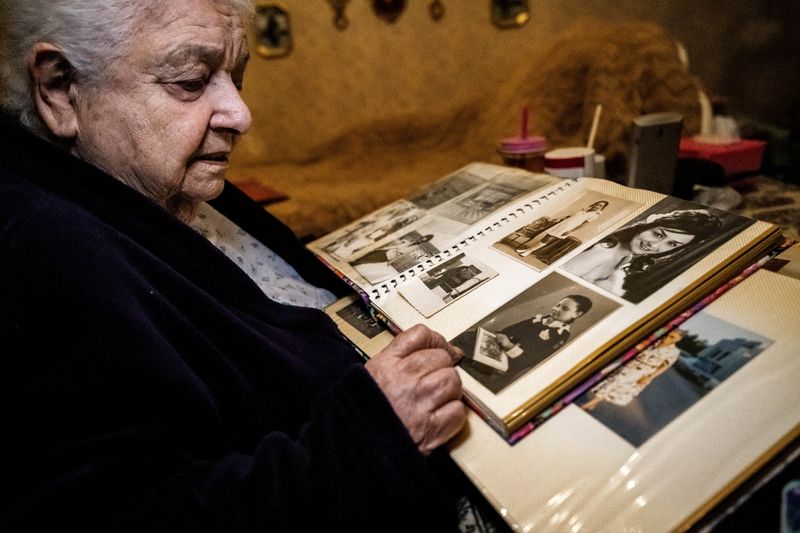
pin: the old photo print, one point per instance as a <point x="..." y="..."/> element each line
<point x="368" y="231"/>
<point x="446" y="189"/>
<point x="529" y="329"/>
<point x="393" y="257"/>
<point x="654" y="248"/>
<point x="486" y="199"/>
<point x="550" y="237"/>
<point x="440" y="286"/>
<point x="357" y="316"/>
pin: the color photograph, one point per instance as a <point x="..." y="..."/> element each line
<point x="667" y="378"/>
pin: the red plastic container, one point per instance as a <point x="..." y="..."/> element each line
<point x="739" y="157"/>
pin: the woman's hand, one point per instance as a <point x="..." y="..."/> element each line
<point x="416" y="373"/>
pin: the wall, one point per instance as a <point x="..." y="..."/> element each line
<point x="335" y="79"/>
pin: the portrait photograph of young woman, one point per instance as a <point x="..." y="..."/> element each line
<point x="654" y="248"/>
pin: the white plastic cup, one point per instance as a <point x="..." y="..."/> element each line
<point x="599" y="166"/>
<point x="573" y="162"/>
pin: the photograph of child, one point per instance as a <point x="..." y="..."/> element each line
<point x="664" y="380"/>
<point x="442" y="285"/>
<point x="551" y="237"/>
<point x="529" y="329"/>
<point x="654" y="248"/>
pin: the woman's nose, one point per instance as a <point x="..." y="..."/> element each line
<point x="230" y="111"/>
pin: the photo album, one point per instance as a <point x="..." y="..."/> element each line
<point x="542" y="281"/>
<point x="673" y="439"/>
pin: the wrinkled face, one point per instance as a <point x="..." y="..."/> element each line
<point x="658" y="240"/>
<point x="566" y="310"/>
<point x="171" y="115"/>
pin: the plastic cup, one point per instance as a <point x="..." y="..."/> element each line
<point x="524" y="152"/>
<point x="574" y="162"/>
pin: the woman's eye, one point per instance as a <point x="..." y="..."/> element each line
<point x="192" y="86"/>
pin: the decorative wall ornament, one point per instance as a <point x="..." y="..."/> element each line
<point x="273" y="30"/>
<point x="510" y="13"/>
<point x="388" y="10"/>
<point x="436" y="10"/>
<point x="340" y="20"/>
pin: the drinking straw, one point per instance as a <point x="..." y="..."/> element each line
<point x="595" y="121"/>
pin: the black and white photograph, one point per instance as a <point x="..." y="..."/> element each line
<point x="529" y="329"/>
<point x="550" y="237"/>
<point x="357" y="316"/>
<point x="488" y="198"/>
<point x="446" y="189"/>
<point x="442" y="285"/>
<point x="372" y="229"/>
<point x="489" y="351"/>
<point x="787" y="263"/>
<point x="389" y="259"/>
<point x="664" y="380"/>
<point x="654" y="248"/>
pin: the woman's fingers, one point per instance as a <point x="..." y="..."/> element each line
<point x="416" y="373"/>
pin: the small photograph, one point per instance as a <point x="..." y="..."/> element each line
<point x="488" y="198"/>
<point x="529" y="329"/>
<point x="358" y="317"/>
<point x="488" y="350"/>
<point x="663" y="381"/>
<point x="442" y="285"/>
<point x="446" y="189"/>
<point x="372" y="229"/>
<point x="787" y="262"/>
<point x="393" y="257"/>
<point x="549" y="238"/>
<point x="653" y="249"/>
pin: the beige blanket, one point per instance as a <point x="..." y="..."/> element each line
<point x="631" y="69"/>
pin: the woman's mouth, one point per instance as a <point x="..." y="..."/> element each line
<point x="217" y="158"/>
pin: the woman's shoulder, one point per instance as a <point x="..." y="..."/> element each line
<point x="28" y="210"/>
<point x="42" y="232"/>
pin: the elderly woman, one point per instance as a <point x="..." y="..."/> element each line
<point x="151" y="383"/>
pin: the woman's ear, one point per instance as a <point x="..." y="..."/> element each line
<point x="52" y="80"/>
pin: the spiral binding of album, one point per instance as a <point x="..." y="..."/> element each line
<point x="389" y="285"/>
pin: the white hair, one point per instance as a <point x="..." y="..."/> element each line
<point x="91" y="33"/>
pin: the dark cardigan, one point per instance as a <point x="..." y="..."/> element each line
<point x="149" y="385"/>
